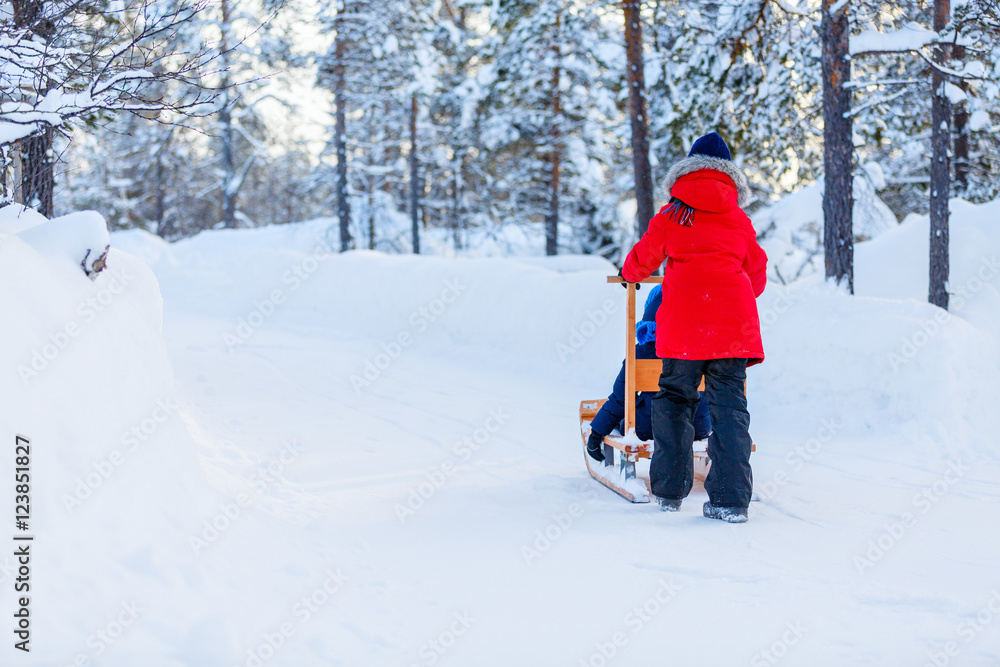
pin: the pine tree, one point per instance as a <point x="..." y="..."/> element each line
<point x="752" y="72"/>
<point x="548" y="97"/>
<point x="374" y="68"/>
<point x="455" y="175"/>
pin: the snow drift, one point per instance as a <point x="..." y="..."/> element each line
<point x="117" y="491"/>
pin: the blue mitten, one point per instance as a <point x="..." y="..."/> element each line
<point x="645" y="332"/>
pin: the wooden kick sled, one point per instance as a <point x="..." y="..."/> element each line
<point x="618" y="471"/>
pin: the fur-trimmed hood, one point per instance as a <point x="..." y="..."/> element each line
<point x="697" y="162"/>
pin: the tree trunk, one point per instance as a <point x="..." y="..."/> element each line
<point x="228" y="167"/>
<point x="414" y="180"/>
<point x="340" y="139"/>
<point x="552" y="220"/>
<point x="961" y="147"/>
<point x="838" y="195"/>
<point x="160" y="201"/>
<point x="37" y="175"/>
<point x="370" y="212"/>
<point x="637" y="112"/>
<point x="940" y="166"/>
<point x="456" y="199"/>
<point x="37" y="168"/>
<point x="229" y="185"/>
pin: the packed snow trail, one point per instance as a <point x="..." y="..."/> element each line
<point x="384" y="467"/>
<point x="449" y="492"/>
<point x="550" y="567"/>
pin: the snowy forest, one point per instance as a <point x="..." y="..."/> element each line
<point x="450" y="333"/>
<point x="448" y="117"/>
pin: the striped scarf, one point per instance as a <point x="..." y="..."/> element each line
<point x="680" y="212"/>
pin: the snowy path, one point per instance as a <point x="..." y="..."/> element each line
<point x="614" y="584"/>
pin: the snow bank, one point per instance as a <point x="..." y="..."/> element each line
<point x="81" y="238"/>
<point x="885" y="359"/>
<point x="876" y="367"/>
<point x="15" y="218"/>
<point x="114" y="475"/>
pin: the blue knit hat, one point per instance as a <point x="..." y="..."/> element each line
<point x="711" y="145"/>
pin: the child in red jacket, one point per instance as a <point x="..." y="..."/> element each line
<point x="707" y="325"/>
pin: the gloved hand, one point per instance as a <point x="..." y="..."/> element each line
<point x="638" y="286"/>
<point x="645" y="332"/>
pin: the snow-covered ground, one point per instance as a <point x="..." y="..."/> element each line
<point x="365" y="459"/>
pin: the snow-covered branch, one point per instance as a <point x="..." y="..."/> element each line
<point x="948" y="71"/>
<point x="784" y="6"/>
<point x="66" y="69"/>
<point x="882" y="82"/>
<point x="910" y="38"/>
<point x="873" y="103"/>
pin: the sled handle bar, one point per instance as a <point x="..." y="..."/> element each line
<point x="630" y="360"/>
<point x="649" y="280"/>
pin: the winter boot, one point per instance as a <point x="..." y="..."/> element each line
<point x="595" y="446"/>
<point x="668" y="504"/>
<point x="727" y="514"/>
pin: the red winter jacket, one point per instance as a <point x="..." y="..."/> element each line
<point x="715" y="269"/>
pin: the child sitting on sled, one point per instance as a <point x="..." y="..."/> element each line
<point x="612" y="413"/>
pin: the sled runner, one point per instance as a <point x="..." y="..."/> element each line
<point x="618" y="471"/>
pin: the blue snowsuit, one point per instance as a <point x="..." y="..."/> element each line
<point x="612" y="413"/>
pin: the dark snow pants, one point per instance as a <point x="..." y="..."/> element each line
<point x="671" y="471"/>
